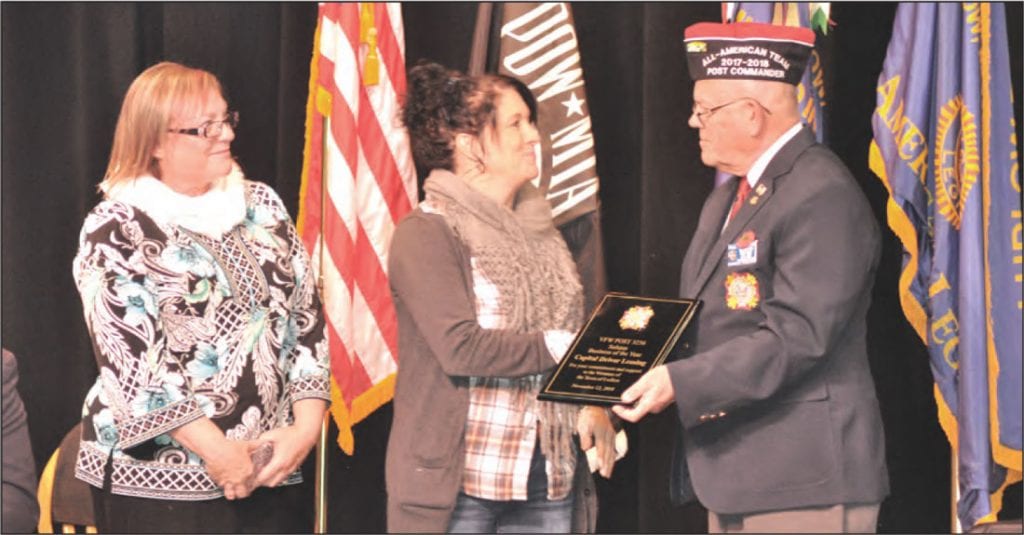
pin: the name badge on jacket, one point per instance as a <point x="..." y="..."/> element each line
<point x="743" y="252"/>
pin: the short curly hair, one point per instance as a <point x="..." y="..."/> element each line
<point x="441" y="103"/>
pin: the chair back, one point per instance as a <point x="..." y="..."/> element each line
<point x="65" y="500"/>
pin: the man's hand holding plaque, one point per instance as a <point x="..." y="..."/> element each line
<point x="625" y="337"/>
<point x="650" y="394"/>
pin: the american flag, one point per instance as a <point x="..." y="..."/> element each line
<point x="358" y="180"/>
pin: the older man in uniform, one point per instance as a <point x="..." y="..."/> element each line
<point x="781" y="429"/>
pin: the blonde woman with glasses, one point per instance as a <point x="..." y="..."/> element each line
<point x="207" y="329"/>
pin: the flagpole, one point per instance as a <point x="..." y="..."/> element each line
<point x="481" y="36"/>
<point x="320" y="507"/>
<point x="954" y="490"/>
<point x="320" y="489"/>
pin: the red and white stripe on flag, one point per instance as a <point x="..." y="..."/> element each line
<point x="358" y="180"/>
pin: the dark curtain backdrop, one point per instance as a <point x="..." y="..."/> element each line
<point x="65" y="68"/>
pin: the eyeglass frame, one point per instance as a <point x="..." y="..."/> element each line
<point x="230" y="118"/>
<point x="704" y="115"/>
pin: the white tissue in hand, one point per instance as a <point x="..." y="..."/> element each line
<point x="621" y="447"/>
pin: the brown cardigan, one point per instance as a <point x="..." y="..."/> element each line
<point x="440" y="345"/>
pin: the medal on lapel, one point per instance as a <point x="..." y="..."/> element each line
<point x="758" y="192"/>
<point x="741" y="292"/>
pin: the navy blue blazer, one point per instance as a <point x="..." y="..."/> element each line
<point x="773" y="390"/>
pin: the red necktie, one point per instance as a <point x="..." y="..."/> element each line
<point x="741" y="195"/>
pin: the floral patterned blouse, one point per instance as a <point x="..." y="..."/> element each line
<point x="186" y="324"/>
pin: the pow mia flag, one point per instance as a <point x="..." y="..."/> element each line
<point x="536" y="43"/>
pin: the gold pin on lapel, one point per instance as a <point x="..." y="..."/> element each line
<point x="754" y="199"/>
<point x="760" y="189"/>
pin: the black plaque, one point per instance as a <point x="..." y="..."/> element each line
<point x="625" y="336"/>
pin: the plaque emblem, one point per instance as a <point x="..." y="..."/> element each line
<point x="636" y="318"/>
<point x="741" y="292"/>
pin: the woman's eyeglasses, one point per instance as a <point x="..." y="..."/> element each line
<point x="210" y="129"/>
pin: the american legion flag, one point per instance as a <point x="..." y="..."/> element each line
<point x="946" y="149"/>
<point x="358" y="180"/>
<point x="536" y="43"/>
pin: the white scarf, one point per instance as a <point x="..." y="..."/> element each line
<point x="213" y="213"/>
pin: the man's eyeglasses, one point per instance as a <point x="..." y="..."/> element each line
<point x="702" y="116"/>
<point x="210" y="129"/>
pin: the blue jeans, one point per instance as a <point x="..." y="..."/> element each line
<point x="536" y="514"/>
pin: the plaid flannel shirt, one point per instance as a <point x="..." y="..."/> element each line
<point x="501" y="428"/>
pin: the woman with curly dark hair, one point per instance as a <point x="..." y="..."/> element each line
<point x="488" y="300"/>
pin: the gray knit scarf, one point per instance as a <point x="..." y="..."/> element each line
<point x="524" y="255"/>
